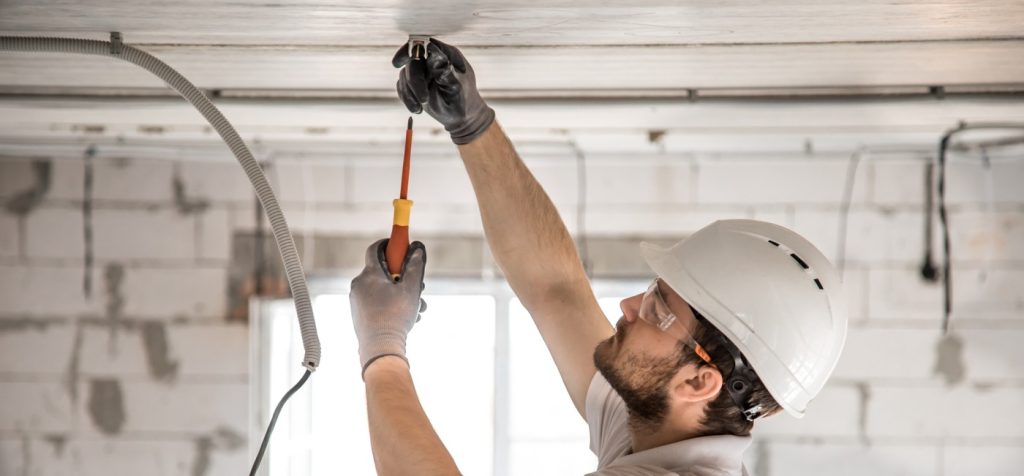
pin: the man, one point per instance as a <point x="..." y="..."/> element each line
<point x="745" y="319"/>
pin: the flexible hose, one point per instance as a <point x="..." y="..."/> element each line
<point x="285" y="244"/>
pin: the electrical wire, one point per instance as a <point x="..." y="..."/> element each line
<point x="116" y="49"/>
<point x="990" y="213"/>
<point x="844" y="209"/>
<point x="87" y="235"/>
<point x="928" y="270"/>
<point x="581" y="207"/>
<point x="273" y="421"/>
<point x="863" y="153"/>
<point x="947" y="281"/>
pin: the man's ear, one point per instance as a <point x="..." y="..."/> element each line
<point x="697" y="384"/>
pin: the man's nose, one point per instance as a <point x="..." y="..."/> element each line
<point x="630" y="309"/>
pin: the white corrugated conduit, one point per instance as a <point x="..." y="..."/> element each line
<point x="289" y="255"/>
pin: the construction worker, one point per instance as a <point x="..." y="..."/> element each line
<point x="745" y="319"/>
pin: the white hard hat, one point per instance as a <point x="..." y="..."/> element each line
<point x="771" y="293"/>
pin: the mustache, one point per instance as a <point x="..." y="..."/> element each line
<point x="620" y="326"/>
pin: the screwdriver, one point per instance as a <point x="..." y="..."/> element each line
<point x="398" y="245"/>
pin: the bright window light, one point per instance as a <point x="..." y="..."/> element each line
<point x="534" y="430"/>
<point x="452" y="354"/>
<point x="547" y="436"/>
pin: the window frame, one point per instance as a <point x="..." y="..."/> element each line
<point x="260" y="365"/>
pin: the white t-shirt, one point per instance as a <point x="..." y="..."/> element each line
<point x="719" y="455"/>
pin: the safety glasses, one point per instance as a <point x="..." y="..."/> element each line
<point x="655" y="311"/>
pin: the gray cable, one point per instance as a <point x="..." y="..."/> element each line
<point x="285" y="244"/>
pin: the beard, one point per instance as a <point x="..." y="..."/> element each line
<point x="641" y="380"/>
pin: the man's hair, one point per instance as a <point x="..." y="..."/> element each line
<point x="722" y="415"/>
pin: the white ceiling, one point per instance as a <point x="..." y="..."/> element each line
<point x="598" y="50"/>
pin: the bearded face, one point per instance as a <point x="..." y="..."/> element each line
<point x="640" y="378"/>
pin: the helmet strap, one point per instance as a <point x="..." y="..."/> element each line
<point x="740" y="384"/>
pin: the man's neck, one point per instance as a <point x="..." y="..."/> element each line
<point x="667" y="434"/>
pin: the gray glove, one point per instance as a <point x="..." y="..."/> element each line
<point x="445" y="86"/>
<point x="384" y="311"/>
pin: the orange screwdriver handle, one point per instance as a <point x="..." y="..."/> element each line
<point x="398" y="245"/>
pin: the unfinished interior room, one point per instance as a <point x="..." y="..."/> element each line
<point x="519" y="238"/>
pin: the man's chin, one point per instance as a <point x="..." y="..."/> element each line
<point x="604" y="355"/>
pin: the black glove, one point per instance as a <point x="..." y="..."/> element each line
<point x="444" y="85"/>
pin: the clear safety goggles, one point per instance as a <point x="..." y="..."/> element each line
<point x="655" y="311"/>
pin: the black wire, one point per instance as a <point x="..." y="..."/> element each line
<point x="947" y="282"/>
<point x="273" y="421"/>
<point x="87" y="235"/>
<point x="928" y="271"/>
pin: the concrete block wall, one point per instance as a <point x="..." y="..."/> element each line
<point x="148" y="373"/>
<point x="142" y="374"/>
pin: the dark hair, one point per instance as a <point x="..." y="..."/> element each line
<point x="722" y="415"/>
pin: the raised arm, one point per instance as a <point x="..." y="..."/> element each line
<point x="402" y="438"/>
<point x="525" y="233"/>
<point x="383" y="312"/>
<point x="538" y="257"/>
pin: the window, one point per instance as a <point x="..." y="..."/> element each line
<point x="480" y="367"/>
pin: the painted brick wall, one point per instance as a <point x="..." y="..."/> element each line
<point x="147" y="374"/>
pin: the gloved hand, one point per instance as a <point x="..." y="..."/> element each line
<point x="384" y="311"/>
<point x="445" y="86"/>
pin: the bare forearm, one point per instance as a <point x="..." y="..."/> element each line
<point x="403" y="440"/>
<point x="527" y="237"/>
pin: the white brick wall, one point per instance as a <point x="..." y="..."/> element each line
<point x="937" y="411"/>
<point x="54" y="233"/>
<point x="162" y="234"/>
<point x="214" y="241"/>
<point x="639" y="182"/>
<point x="182" y="408"/>
<point x="297" y="181"/>
<point x="68" y="180"/>
<point x="899" y="293"/>
<point x="199" y="350"/>
<point x="785" y="180"/>
<point x="981" y="236"/>
<point x="431" y="181"/>
<point x="9" y="239"/>
<point x="874" y="235"/>
<point x="888" y="410"/>
<point x="46" y="290"/>
<point x="218" y="182"/>
<point x="175" y="292"/>
<point x="897" y="182"/>
<point x="35" y="407"/>
<point x="132" y="180"/>
<point x="852" y="459"/>
<point x="105" y="457"/>
<point x="828" y="416"/>
<point x="987" y="460"/>
<point x="33" y="348"/>
<point x="967" y="181"/>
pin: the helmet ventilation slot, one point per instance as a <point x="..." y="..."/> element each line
<point x="803" y="264"/>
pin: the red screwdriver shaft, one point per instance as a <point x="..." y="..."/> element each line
<point x="398" y="245"/>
